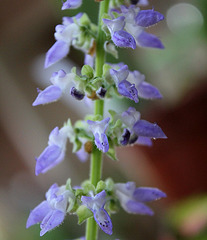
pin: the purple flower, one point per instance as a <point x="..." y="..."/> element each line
<point x="125" y="88"/>
<point x="147" y="18"/>
<point x="128" y="90"/>
<point x="60" y="81"/>
<point x="133" y="199"/>
<point x="96" y="205"/>
<point x="134" y="22"/>
<point x="120" y="37"/>
<point x="54" y="153"/>
<point x="140" y="128"/>
<point x="115" y="25"/>
<point x="98" y="129"/>
<point x="119" y="75"/>
<point x="51" y="212"/>
<point x="145" y="39"/>
<point x="64" y="35"/>
<point x="71" y="4"/>
<point x="145" y="90"/>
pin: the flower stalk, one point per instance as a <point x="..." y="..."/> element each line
<point x="96" y="156"/>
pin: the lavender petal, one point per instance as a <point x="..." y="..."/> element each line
<point x="48" y="159"/>
<point x="147" y="18"/>
<point x="49" y="95"/>
<point x="71" y="4"/>
<point x="53" y="219"/>
<point x="149" y="40"/>
<point x="123" y="39"/>
<point x="148" y="91"/>
<point x="146" y="194"/>
<point x="58" y="51"/>
<point x="135" y="207"/>
<point x="38" y="213"/>
<point x="147" y="129"/>
<point x="128" y="90"/>
<point x="104" y="221"/>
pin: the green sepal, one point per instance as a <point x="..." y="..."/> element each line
<point x="109" y="184"/>
<point x="73" y="70"/>
<point x="111" y="152"/>
<point x="98" y="81"/>
<point x="113" y="114"/>
<point x="84" y="20"/>
<point x="88" y="187"/>
<point x="101" y="185"/>
<point x="115" y="14"/>
<point x="87" y="71"/>
<point x="68" y="185"/>
<point x="76" y="145"/>
<point x="83" y="213"/>
<point x="106" y="68"/>
<point x="113" y="206"/>
<point x="78" y="192"/>
<point x="96" y="117"/>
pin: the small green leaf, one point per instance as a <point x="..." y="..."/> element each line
<point x="87" y="71"/>
<point x="68" y="185"/>
<point x="76" y="145"/>
<point x="84" y="20"/>
<point x="112" y="154"/>
<point x="109" y="184"/>
<point x="101" y="185"/>
<point x="78" y="192"/>
<point x="83" y="213"/>
<point x="88" y="187"/>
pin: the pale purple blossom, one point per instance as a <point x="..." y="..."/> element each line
<point x="71" y="4"/>
<point x="127" y="30"/>
<point x="51" y="212"/>
<point x="133" y="199"/>
<point x="98" y="129"/>
<point x="60" y="81"/>
<point x="54" y="153"/>
<point x="140" y="128"/>
<point x="125" y="88"/>
<point x="145" y="89"/>
<point x="96" y="205"/>
<point x="64" y="36"/>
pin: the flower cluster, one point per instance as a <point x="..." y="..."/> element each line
<point x="127" y="27"/>
<point x="87" y="201"/>
<point x="122" y="26"/>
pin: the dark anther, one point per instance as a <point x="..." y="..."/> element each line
<point x="134" y="2"/>
<point x="125" y="137"/>
<point x="101" y="92"/>
<point x="76" y="93"/>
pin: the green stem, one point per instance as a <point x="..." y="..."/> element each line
<point x="96" y="156"/>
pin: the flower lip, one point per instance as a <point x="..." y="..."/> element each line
<point x="147" y="18"/>
<point x="124" y="39"/>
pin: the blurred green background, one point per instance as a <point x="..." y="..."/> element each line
<point x="177" y="165"/>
